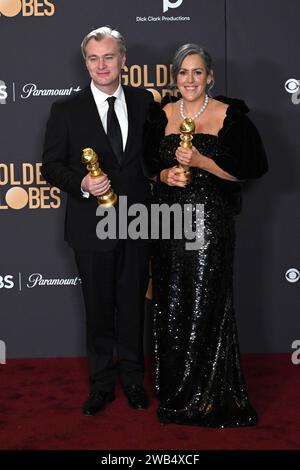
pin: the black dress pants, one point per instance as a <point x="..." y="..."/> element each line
<point x="114" y="285"/>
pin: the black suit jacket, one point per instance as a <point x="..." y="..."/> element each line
<point x="74" y="124"/>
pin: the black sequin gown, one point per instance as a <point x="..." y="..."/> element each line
<point x="199" y="380"/>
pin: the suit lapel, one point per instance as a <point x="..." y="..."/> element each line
<point x="132" y="122"/>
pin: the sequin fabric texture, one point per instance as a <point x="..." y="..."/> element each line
<point x="199" y="380"/>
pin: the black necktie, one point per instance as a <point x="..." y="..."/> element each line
<point x="113" y="129"/>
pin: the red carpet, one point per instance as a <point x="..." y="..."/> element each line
<point x="40" y="408"/>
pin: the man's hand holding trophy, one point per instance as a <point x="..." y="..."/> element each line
<point x="90" y="160"/>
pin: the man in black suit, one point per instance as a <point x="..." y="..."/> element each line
<point x="114" y="272"/>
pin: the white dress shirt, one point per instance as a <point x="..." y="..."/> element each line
<point x="120" y="109"/>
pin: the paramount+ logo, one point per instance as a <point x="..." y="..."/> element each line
<point x="11" y="8"/>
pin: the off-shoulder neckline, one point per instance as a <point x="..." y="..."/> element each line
<point x="227" y="115"/>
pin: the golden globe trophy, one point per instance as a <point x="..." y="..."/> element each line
<point x="187" y="128"/>
<point x="90" y="160"/>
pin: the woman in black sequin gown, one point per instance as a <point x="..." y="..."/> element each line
<point x="199" y="380"/>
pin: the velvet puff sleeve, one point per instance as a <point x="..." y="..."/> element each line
<point x="153" y="134"/>
<point x="241" y="151"/>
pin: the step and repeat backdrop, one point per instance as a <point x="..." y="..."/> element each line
<point x="254" y="46"/>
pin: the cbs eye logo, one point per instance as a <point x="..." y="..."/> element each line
<point x="12" y="8"/>
<point x="292" y="275"/>
<point x="292" y="85"/>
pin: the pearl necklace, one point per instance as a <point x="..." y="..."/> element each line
<point x="198" y="113"/>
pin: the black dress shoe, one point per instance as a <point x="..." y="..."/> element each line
<point x="96" y="402"/>
<point x="137" y="397"/>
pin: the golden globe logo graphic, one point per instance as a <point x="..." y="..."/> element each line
<point x="22" y="186"/>
<point x="155" y="78"/>
<point x="11" y="8"/>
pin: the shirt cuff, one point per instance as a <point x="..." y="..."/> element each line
<point x="85" y="194"/>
